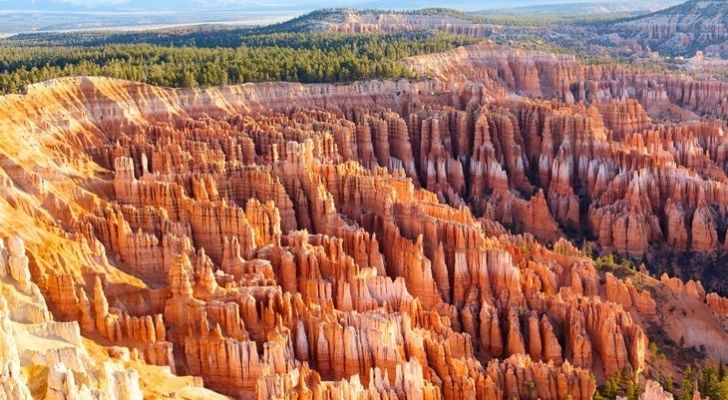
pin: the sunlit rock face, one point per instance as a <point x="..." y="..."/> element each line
<point x="376" y="240"/>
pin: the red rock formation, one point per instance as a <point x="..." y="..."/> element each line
<point x="357" y="241"/>
<point x="717" y="303"/>
<point x="623" y="118"/>
<point x="691" y="289"/>
<point x="653" y="391"/>
<point x="626" y="294"/>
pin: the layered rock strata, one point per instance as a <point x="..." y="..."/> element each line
<point x="376" y="240"/>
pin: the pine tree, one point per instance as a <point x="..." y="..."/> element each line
<point x="688" y="384"/>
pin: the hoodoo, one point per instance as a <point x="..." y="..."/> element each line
<point x="412" y="239"/>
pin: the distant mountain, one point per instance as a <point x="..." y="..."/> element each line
<point x="40" y="5"/>
<point x="23" y="16"/>
<point x="303" y="5"/>
<point x="463" y="5"/>
<point x="158" y="5"/>
<point x="681" y="30"/>
<point x="588" y="7"/>
<point x="146" y="5"/>
<point x="66" y="15"/>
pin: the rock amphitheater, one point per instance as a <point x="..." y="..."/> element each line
<point x="378" y="240"/>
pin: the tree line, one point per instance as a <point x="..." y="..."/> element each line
<point x="711" y="381"/>
<point x="296" y="57"/>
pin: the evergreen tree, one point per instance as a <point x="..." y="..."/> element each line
<point x="688" y="384"/>
<point x="304" y="57"/>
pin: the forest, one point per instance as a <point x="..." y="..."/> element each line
<point x="297" y="57"/>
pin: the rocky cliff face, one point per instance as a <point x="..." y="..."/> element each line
<point x="376" y="240"/>
<point x="603" y="145"/>
<point x="681" y="30"/>
<point x="56" y="353"/>
<point x="351" y="21"/>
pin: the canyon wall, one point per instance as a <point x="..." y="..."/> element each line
<point x="375" y="240"/>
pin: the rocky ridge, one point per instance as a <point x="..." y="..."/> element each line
<point x="696" y="25"/>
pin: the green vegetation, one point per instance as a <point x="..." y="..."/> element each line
<point x="713" y="383"/>
<point x="688" y="384"/>
<point x="620" y="266"/>
<point x="297" y="57"/>
<point x="619" y="384"/>
<point x="710" y="381"/>
<point x="525" y="17"/>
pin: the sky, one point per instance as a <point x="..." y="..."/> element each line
<point x="75" y="5"/>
